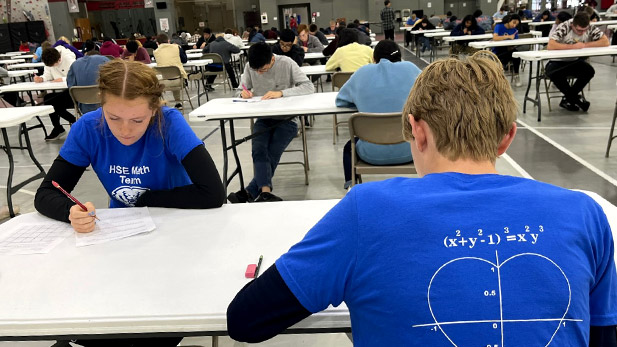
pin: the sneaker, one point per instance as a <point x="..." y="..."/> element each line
<point x="517" y="81"/>
<point x="55" y="134"/>
<point x="240" y="197"/>
<point x="267" y="197"/>
<point x="4" y="211"/>
<point x="209" y="88"/>
<point x="568" y="105"/>
<point x="179" y="106"/>
<point x="583" y="104"/>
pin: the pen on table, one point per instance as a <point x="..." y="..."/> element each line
<point x="261" y="257"/>
<point x="73" y="199"/>
<point x="239" y="100"/>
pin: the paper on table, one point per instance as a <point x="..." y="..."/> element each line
<point x="32" y="238"/>
<point x="115" y="224"/>
<point x="253" y="99"/>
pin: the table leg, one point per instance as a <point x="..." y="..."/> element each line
<point x="225" y="159"/>
<point x="215" y="341"/>
<point x="538" y="101"/>
<point x="238" y="170"/>
<point x="7" y="149"/>
<point x="528" y="87"/>
<point x="10" y="189"/>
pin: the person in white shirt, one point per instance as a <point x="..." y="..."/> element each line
<point x="57" y="62"/>
<point x="613" y="8"/>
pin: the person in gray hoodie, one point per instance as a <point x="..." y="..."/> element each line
<point x="225" y="49"/>
<point x="270" y="76"/>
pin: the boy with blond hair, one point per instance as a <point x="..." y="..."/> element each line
<point x="461" y="256"/>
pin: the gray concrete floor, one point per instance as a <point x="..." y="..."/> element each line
<point x="566" y="148"/>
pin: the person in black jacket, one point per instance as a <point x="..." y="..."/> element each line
<point x="205" y="39"/>
<point x="313" y="30"/>
<point x="286" y="47"/>
<point x="425" y="24"/>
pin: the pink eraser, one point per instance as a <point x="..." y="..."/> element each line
<point x="250" y="271"/>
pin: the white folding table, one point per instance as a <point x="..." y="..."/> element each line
<point x="176" y="280"/>
<point x="25" y="66"/>
<point x="225" y="109"/>
<point x="18" y="116"/>
<point x="539" y="56"/>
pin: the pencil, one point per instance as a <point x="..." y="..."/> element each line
<point x="73" y="199"/>
<point x="261" y="257"/>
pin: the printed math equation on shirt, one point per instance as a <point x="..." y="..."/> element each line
<point x="480" y="237"/>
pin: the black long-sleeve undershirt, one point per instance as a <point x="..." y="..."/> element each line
<point x="206" y="191"/>
<point x="265" y="307"/>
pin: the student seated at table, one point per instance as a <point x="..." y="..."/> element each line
<point x="206" y="38"/>
<point x="57" y="64"/>
<point x="169" y="54"/>
<point x="526" y="12"/>
<point x="391" y="80"/>
<point x="38" y="53"/>
<point x="151" y="43"/>
<point x="225" y="49"/>
<point x="425" y="24"/>
<point x="349" y="55"/>
<point x="545" y="16"/>
<point x="145" y="154"/>
<point x="468" y="26"/>
<point x="232" y="37"/>
<point x="410" y="23"/>
<point x="503" y="11"/>
<point x="287" y="47"/>
<point x="399" y="252"/>
<point x="450" y="23"/>
<point x="269" y="76"/>
<point x="64" y="42"/>
<point x="85" y="72"/>
<point x="331" y="29"/>
<point x="506" y="30"/>
<point x="363" y="38"/>
<point x="256" y="36"/>
<point x="575" y="33"/>
<point x="314" y="31"/>
<point x="134" y="52"/>
<point x="110" y="48"/>
<point x="308" y="42"/>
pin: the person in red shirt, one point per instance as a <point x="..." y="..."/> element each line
<point x="293" y="24"/>
<point x="24" y="47"/>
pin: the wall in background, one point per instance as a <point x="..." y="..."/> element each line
<point x="38" y="8"/>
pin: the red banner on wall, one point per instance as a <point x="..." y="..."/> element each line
<point x="114" y="5"/>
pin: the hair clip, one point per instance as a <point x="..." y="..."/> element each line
<point x="393" y="53"/>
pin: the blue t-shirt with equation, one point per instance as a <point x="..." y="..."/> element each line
<point x="126" y="172"/>
<point x="460" y="260"/>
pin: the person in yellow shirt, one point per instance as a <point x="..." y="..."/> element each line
<point x="350" y="55"/>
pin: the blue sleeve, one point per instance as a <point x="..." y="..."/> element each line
<point x="345" y="96"/>
<point x="78" y="144"/>
<point x="319" y="268"/>
<point x="516" y="35"/>
<point x="179" y="137"/>
<point x="500" y="29"/>
<point x="38" y="52"/>
<point x="71" y="80"/>
<point x="603" y="294"/>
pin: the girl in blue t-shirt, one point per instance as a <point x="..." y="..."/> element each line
<point x="506" y="30"/>
<point x="143" y="153"/>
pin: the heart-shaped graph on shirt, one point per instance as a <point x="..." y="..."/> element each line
<point x="474" y="300"/>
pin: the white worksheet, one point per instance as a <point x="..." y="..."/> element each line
<point x="33" y="238"/>
<point x="115" y="224"/>
<point x="251" y="100"/>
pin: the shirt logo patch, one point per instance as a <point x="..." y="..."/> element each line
<point x="128" y="195"/>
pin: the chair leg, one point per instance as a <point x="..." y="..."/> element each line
<point x="334" y="129"/>
<point x="189" y="98"/>
<point x="548" y="96"/>
<point x="610" y="136"/>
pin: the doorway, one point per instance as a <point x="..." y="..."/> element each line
<point x="302" y="12"/>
